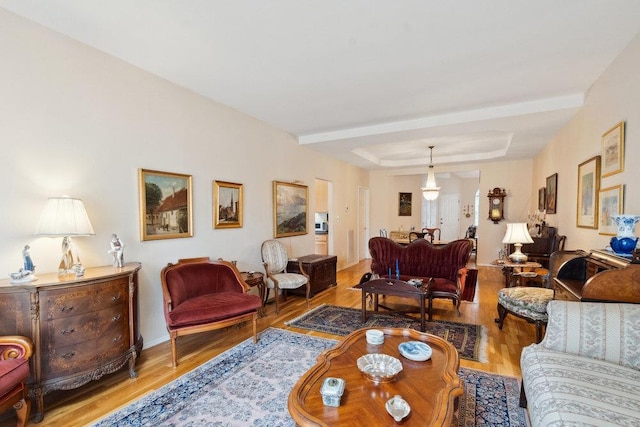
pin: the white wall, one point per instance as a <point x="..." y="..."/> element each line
<point x="614" y="97"/>
<point x="78" y="122"/>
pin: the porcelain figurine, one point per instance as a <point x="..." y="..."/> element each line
<point x="117" y="250"/>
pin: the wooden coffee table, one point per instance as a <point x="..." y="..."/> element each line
<point x="431" y="388"/>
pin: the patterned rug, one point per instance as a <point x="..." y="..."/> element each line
<point x="247" y="386"/>
<point x="469" y="340"/>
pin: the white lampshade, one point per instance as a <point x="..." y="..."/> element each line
<point x="517" y="234"/>
<point x="64" y="216"/>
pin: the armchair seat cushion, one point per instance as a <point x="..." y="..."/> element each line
<point x="212" y="307"/>
<point x="12" y="372"/>
<point x="530" y="302"/>
<point x="287" y="280"/>
<point x="442" y="285"/>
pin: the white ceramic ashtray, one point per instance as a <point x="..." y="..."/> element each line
<point x="415" y="350"/>
<point x="415" y="282"/>
<point x="374" y="336"/>
<point x="397" y="407"/>
<point x="379" y="367"/>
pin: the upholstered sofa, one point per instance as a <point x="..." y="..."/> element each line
<point x="420" y="259"/>
<point x="586" y="370"/>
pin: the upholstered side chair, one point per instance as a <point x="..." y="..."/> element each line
<point x="202" y="295"/>
<point x="274" y="260"/>
<point x="14" y="371"/>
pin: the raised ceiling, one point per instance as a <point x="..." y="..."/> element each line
<point x="371" y="82"/>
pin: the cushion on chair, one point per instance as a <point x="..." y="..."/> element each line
<point x="202" y="279"/>
<point x="526" y="302"/>
<point x="212" y="307"/>
<point x="287" y="280"/>
<point x="12" y="372"/>
<point x="442" y="285"/>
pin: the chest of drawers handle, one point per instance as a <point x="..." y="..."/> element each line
<point x="116" y="317"/>
<point x="69" y="355"/>
<point x="116" y="297"/>
<point x="67" y="331"/>
<point x="117" y="339"/>
<point x="66" y="309"/>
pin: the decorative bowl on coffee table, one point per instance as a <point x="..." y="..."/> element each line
<point x="379" y="367"/>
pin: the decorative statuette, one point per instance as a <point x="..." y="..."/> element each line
<point x="625" y="241"/>
<point x="24" y="274"/>
<point x="117" y="250"/>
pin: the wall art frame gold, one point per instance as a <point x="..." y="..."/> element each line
<point x="404" y="204"/>
<point x="166" y="205"/>
<point x="613" y="150"/>
<point x="610" y="202"/>
<point x="227" y="204"/>
<point x="290" y="209"/>
<point x="551" y="196"/>
<point x="588" y="192"/>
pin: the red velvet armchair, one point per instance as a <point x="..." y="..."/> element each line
<point x="14" y="371"/>
<point x="202" y="295"/>
<point x="420" y="259"/>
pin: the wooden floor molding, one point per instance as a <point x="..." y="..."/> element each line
<point x="91" y="402"/>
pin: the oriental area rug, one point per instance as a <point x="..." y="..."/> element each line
<point x="470" y="340"/>
<point x="249" y="384"/>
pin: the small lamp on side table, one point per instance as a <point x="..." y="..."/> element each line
<point x="517" y="234"/>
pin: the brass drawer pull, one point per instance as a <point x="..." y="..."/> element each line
<point x="118" y="338"/>
<point x="66" y="309"/>
<point x="116" y="317"/>
<point x="69" y="355"/>
<point x="67" y="331"/>
<point x="116" y="298"/>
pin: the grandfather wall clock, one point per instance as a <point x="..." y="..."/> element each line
<point x="496" y="204"/>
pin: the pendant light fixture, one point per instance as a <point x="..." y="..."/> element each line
<point x="430" y="191"/>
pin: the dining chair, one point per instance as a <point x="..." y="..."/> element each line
<point x="431" y="233"/>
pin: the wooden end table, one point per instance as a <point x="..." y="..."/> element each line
<point x="511" y="270"/>
<point x="431" y="388"/>
<point x="394" y="287"/>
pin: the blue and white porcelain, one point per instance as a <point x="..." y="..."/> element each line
<point x="415" y="350"/>
<point x="625" y="241"/>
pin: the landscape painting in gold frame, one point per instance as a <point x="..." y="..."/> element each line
<point x="290" y="209"/>
<point x="227" y="204"/>
<point x="613" y="150"/>
<point x="166" y="206"/>
<point x="588" y="187"/>
<point x="610" y="202"/>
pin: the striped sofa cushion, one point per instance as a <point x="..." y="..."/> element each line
<point x="567" y="390"/>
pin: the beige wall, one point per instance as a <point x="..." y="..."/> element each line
<point x="614" y="97"/>
<point x="78" y="122"/>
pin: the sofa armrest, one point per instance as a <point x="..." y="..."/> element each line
<point x="603" y="331"/>
<point x="15" y="347"/>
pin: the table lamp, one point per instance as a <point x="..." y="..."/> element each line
<point x="517" y="234"/>
<point x="65" y="217"/>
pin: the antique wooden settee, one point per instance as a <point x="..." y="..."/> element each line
<point x="446" y="264"/>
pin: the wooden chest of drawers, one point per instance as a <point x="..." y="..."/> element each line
<point x="321" y="270"/>
<point x="82" y="328"/>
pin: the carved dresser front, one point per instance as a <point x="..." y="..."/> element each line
<point x="82" y="327"/>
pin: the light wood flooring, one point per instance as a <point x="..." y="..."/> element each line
<point x="93" y="401"/>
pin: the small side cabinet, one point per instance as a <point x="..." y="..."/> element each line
<point x="321" y="270"/>
<point x="82" y="327"/>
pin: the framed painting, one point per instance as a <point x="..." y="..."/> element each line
<point x="613" y="150"/>
<point x="541" y="199"/>
<point x="290" y="209"/>
<point x="227" y="204"/>
<point x="404" y="204"/>
<point x="166" y="206"/>
<point x="610" y="202"/>
<point x="551" y="196"/>
<point x="588" y="188"/>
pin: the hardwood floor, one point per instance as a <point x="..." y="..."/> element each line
<point x="91" y="402"/>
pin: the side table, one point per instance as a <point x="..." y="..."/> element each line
<point x="256" y="279"/>
<point x="513" y="270"/>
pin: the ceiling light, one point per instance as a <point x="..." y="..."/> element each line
<point x="430" y="192"/>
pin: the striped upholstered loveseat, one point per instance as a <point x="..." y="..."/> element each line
<point x="586" y="370"/>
